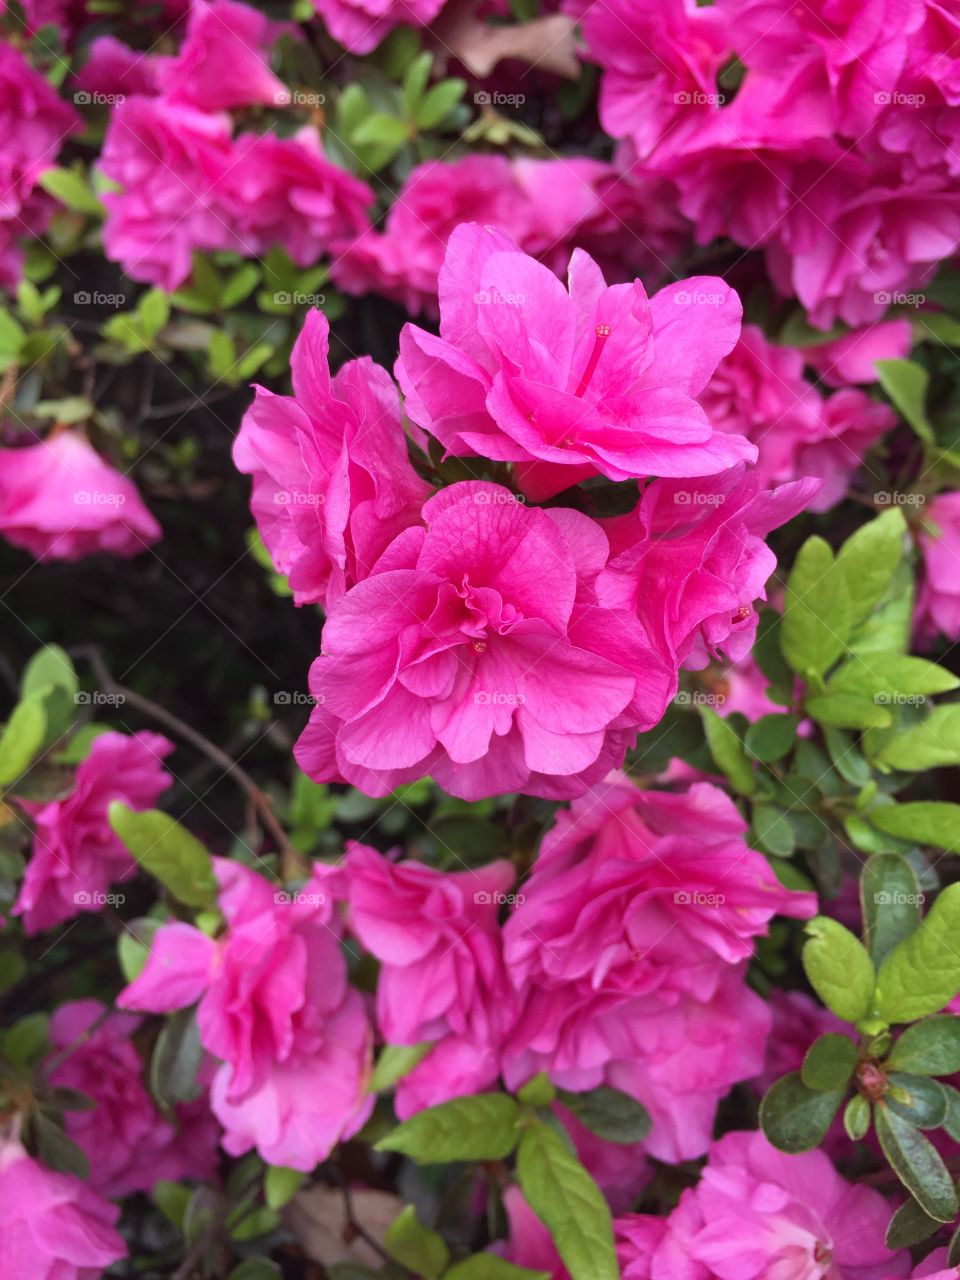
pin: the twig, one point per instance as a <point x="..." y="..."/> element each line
<point x="292" y="862"/>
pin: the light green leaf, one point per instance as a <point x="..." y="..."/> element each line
<point x="890" y="903"/>
<point x="280" y="1185"/>
<point x="889" y="674"/>
<point x="487" y="1266"/>
<point x="906" y="383"/>
<point x="395" y="1062"/>
<point x="480" y="1127"/>
<point x="439" y="102"/>
<point x="22" y="739"/>
<point x="922" y="973"/>
<point x="829" y="1062"/>
<point x="415" y="1246"/>
<point x="869" y="558"/>
<point x="856" y="1117"/>
<point x="73" y="190"/>
<point x="771" y="737"/>
<point x="168" y="851"/>
<point x="839" y="968"/>
<point x="848" y="711"/>
<point x="817" y="614"/>
<point x="727" y="751"/>
<point x="928" y="745"/>
<point x="928" y="1048"/>
<point x="930" y="822"/>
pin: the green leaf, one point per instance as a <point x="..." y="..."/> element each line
<point x="888" y="674"/>
<point x="487" y="1266"/>
<point x="773" y="830"/>
<point x="222" y="354"/>
<point x="869" y="558"/>
<point x="829" y="1062"/>
<point x="917" y="1099"/>
<point x="538" y="1091"/>
<point x="22" y="739"/>
<point x="796" y="1118"/>
<point x="727" y="751"/>
<point x="839" y="968"/>
<point x="415" y="81"/>
<point x="922" y="973"/>
<point x="568" y="1202"/>
<point x="256" y="1269"/>
<point x="916" y="1163"/>
<point x="847" y="760"/>
<point x="171" y="1198"/>
<point x="928" y="1048"/>
<point x="133" y="946"/>
<point x="168" y="851"/>
<point x="480" y="1127"/>
<point x="952" y="1123"/>
<point x="909" y="1226"/>
<point x="71" y="189"/>
<point x="176" y="1060"/>
<point x="416" y="1246"/>
<point x="396" y="1061"/>
<point x="240" y="285"/>
<point x="856" y="1117"/>
<point x="153" y="310"/>
<point x="928" y="745"/>
<point x="280" y="1185"/>
<point x="27" y="1040"/>
<point x="890" y="902"/>
<point x="439" y="102"/>
<point x="55" y="1149"/>
<point x="931" y="822"/>
<point x="382" y="130"/>
<point x="49" y="668"/>
<point x="842" y="710"/>
<point x="12" y="338"/>
<point x="771" y="737"/>
<point x="816" y="616"/>
<point x="610" y="1114"/>
<point x="906" y="383"/>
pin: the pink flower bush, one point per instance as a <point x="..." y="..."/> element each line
<point x="938" y="603"/>
<point x="476" y="653"/>
<point x="291" y="1034"/>
<point x="332" y="483"/>
<point x="34" y="124"/>
<point x="59" y="500"/>
<point x="442" y="976"/>
<point x="757" y="1213"/>
<point x="76" y="856"/>
<point x="360" y="25"/>
<point x="129" y="1145"/>
<point x="629" y="951"/>
<point x="52" y="1226"/>
<point x="691" y="561"/>
<point x="592" y="381"/>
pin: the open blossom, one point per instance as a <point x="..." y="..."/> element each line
<point x="938" y="602"/>
<point x="442" y="978"/>
<point x="597" y="380"/>
<point x="851" y="359"/>
<point x="52" y="1225"/>
<point x="222" y="37"/>
<point x="691" y="560"/>
<point x="276" y="1009"/>
<point x="629" y="952"/>
<point x="360" y="25"/>
<point x="332" y="483"/>
<point x="34" y="124"/>
<point x="76" y="856"/>
<point x="476" y="653"/>
<point x="59" y="500"/>
<point x="757" y="1213"/>
<point x="129" y="1144"/>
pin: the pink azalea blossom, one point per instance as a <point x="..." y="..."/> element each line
<point x="76" y="856"/>
<point x="629" y="951"/>
<point x="360" y="25"/>
<point x="757" y="1213"/>
<point x="129" y="1144"/>
<point x="851" y="359"/>
<point x="34" y="124"/>
<point x="530" y="1244"/>
<point x="276" y="1009"/>
<point x="332" y="482"/>
<point x="938" y="603"/>
<point x="476" y="653"/>
<point x="597" y="380"/>
<point x="934" y="1267"/>
<point x="743" y="688"/>
<point x="113" y="69"/>
<point x="59" y="500"/>
<point x="442" y="977"/>
<point x="52" y="1225"/>
<point x="691" y="560"/>
<point x="222" y="60"/>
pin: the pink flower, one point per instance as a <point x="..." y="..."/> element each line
<point x="59" y="500"/>
<point x="757" y="1213"/>
<point x="743" y="688"/>
<point x="629" y="950"/>
<point x="595" y="381"/>
<point x="76" y="857"/>
<point x="360" y="25"/>
<point x="691" y="561"/>
<point x="52" y="1226"/>
<point x="222" y="61"/>
<point x="113" y="68"/>
<point x="129" y="1144"/>
<point x="276" y="1009"/>
<point x="852" y="358"/>
<point x="476" y="653"/>
<point x="934" y="1267"/>
<point x="850" y="424"/>
<point x="332" y="482"/>
<point x="530" y="1244"/>
<point x="441" y="978"/>
<point x="34" y="123"/>
<point x="938" y="604"/>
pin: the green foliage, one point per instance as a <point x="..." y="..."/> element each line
<point x="168" y="851"/>
<point x="480" y="1127"/>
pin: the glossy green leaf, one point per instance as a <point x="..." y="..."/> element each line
<point x="839" y="968"/>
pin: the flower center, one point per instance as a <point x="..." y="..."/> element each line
<point x="602" y="334"/>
